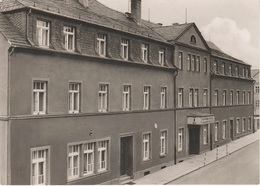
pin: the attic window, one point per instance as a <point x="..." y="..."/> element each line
<point x="193" y="39"/>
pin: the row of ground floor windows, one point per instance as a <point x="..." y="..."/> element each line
<point x="87" y="158"/>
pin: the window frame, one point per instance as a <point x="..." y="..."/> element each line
<point x="205" y="65"/>
<point x="102" y="44"/>
<point x="149" y="146"/>
<point x="125" y="49"/>
<point x="126" y="97"/>
<point x="205" y="134"/>
<point x="191" y="97"/>
<point x="189" y="62"/>
<point x="231" y="97"/>
<point x="205" y="97"/>
<point x="237" y="125"/>
<point x="243" y="124"/>
<point x="73" y="92"/>
<point x="35" y="105"/>
<point x="180" y="140"/>
<point x="163" y="143"/>
<point x="163" y="96"/>
<point x="224" y="98"/>
<point x="198" y="64"/>
<point x="146" y="97"/>
<point x="180" y="97"/>
<point x="216" y="131"/>
<point x="39" y="33"/>
<point x="161" y="56"/>
<point x="145" y="52"/>
<point x="180" y="60"/>
<point x="103" y="94"/>
<point x="66" y="38"/>
<point x="196" y="97"/>
<point x="224" y="129"/>
<point x="216" y="97"/>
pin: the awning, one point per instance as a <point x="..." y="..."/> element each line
<point x="200" y="119"/>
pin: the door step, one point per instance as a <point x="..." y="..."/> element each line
<point x="126" y="180"/>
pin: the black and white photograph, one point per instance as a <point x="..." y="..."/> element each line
<point x="129" y="92"/>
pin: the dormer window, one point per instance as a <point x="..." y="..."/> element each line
<point x="145" y="53"/>
<point x="161" y="56"/>
<point x="69" y="38"/>
<point x="193" y="39"/>
<point x="43" y="33"/>
<point x="101" y="44"/>
<point x="124" y="49"/>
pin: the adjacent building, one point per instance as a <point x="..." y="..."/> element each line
<point x="90" y="95"/>
<point x="255" y="76"/>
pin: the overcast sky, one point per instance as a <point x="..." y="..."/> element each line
<point x="233" y="25"/>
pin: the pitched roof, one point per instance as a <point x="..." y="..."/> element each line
<point x="96" y="13"/>
<point x="219" y="53"/>
<point x="12" y="35"/>
<point x="172" y="32"/>
<point x="254" y="72"/>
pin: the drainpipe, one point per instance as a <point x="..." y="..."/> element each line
<point x="175" y="118"/>
<point x="27" y="27"/>
<point x="253" y="99"/>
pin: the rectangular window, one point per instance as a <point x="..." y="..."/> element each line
<point x="256" y="89"/>
<point x="237" y="71"/>
<point x="180" y="65"/>
<point x="124" y="49"/>
<point x="249" y="124"/>
<point x="69" y="38"/>
<point x="161" y="56"/>
<point x="244" y="97"/>
<point x="205" y="97"/>
<point x="223" y="68"/>
<point x="257" y="103"/>
<point x="74" y="97"/>
<point x="230" y="70"/>
<point x="163" y="140"/>
<point x="103" y="98"/>
<point x="126" y="97"/>
<point x="237" y="126"/>
<point x="43" y="33"/>
<point x="39" y="166"/>
<point x="193" y="60"/>
<point x="191" y="98"/>
<point x="196" y="98"/>
<point x="146" y="94"/>
<point x="238" y="97"/>
<point x="88" y="155"/>
<point x="189" y="62"/>
<point x="145" y="53"/>
<point x="243" y="124"/>
<point x="163" y="97"/>
<point x="216" y="131"/>
<point x="205" y="65"/>
<point x="231" y="97"/>
<point x="198" y="64"/>
<point x="215" y="66"/>
<point x="180" y="139"/>
<point x="224" y="126"/>
<point x="216" y="98"/>
<point x="243" y="72"/>
<point x="180" y="98"/>
<point x="205" y="134"/>
<point x="39" y="97"/>
<point x="101" y="44"/>
<point x="249" y="97"/>
<point x="146" y="147"/>
<point x="224" y="97"/>
<point x="73" y="161"/>
<point x="102" y="155"/>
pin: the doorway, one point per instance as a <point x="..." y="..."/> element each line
<point x="126" y="156"/>
<point x="194" y="139"/>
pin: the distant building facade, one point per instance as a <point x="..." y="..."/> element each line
<point x="90" y="95"/>
<point x="255" y="76"/>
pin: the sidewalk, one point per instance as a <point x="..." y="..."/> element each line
<point x="196" y="162"/>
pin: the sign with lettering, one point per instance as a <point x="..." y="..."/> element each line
<point x="201" y="120"/>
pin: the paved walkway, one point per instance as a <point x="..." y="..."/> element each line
<point x="196" y="162"/>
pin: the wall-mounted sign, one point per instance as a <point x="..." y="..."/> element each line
<point x="200" y="120"/>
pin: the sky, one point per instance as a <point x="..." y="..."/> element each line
<point x="233" y="25"/>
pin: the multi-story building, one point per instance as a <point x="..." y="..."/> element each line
<point x="90" y="95"/>
<point x="255" y="76"/>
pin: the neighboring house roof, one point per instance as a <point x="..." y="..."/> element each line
<point x="10" y="32"/>
<point x="215" y="51"/>
<point x="96" y="13"/>
<point x="254" y="73"/>
<point x="172" y="32"/>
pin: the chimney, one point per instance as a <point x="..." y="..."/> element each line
<point x="136" y="10"/>
<point x="84" y="3"/>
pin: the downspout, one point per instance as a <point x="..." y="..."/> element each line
<point x="27" y="27"/>
<point x="253" y="91"/>
<point x="175" y="118"/>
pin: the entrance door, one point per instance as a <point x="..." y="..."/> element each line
<point x="194" y="139"/>
<point x="232" y="129"/>
<point x="126" y="156"/>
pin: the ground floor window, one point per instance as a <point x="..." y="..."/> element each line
<point x="39" y="165"/>
<point x="224" y="127"/>
<point x="205" y="134"/>
<point x="146" y="146"/>
<point x="237" y="126"/>
<point x="249" y="124"/>
<point x="87" y="158"/>
<point x="163" y="141"/>
<point x="243" y="124"/>
<point x="180" y="139"/>
<point x="216" y="131"/>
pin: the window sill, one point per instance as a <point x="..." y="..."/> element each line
<point x="73" y="180"/>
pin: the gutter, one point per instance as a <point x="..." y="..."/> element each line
<point x="175" y="119"/>
<point x="27" y="27"/>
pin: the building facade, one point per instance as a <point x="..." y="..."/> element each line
<point x="255" y="76"/>
<point x="90" y="95"/>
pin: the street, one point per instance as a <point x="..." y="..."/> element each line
<point x="241" y="167"/>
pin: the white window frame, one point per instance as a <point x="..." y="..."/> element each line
<point x="224" y="127"/>
<point x="193" y="61"/>
<point x="146" y="97"/>
<point x="249" y="124"/>
<point x="191" y="101"/>
<point x="89" y="162"/>
<point x="189" y="62"/>
<point x="102" y="161"/>
<point x="74" y="164"/>
<point x="215" y="66"/>
<point x="146" y="146"/>
<point x="205" y="62"/>
<point x="126" y="97"/>
<point x="102" y="44"/>
<point x="198" y="64"/>
<point x="180" y="139"/>
<point x="238" y="96"/>
<point x="223" y="68"/>
<point x="249" y="97"/>
<point x="231" y="96"/>
<point x="125" y="49"/>
<point x="205" y="97"/>
<point x="243" y="124"/>
<point x="237" y="125"/>
<point x="103" y="98"/>
<point x="216" y="126"/>
<point x="180" y="61"/>
<point x="229" y="69"/>
<point x="216" y="97"/>
<point x="180" y="97"/>
<point x="163" y="142"/>
<point x="224" y="97"/>
<point x="205" y="134"/>
<point x="161" y="56"/>
<point x="74" y="91"/>
<point x="36" y="97"/>
<point x="43" y="33"/>
<point x="244" y="97"/>
<point x="69" y="34"/>
<point x="36" y="161"/>
<point x="145" y="52"/>
<point x="257" y="88"/>
<point x="163" y="97"/>
<point x="196" y="97"/>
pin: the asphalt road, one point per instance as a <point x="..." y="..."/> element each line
<point x="241" y="167"/>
